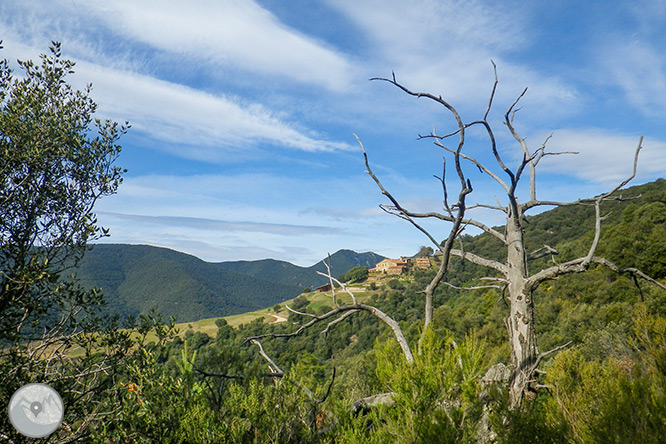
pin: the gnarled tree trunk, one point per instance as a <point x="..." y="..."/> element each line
<point x="520" y="322"/>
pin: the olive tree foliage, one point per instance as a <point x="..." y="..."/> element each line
<point x="56" y="161"/>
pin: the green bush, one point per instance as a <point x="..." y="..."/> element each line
<point x="356" y="274"/>
<point x="435" y="397"/>
<point x="614" y="397"/>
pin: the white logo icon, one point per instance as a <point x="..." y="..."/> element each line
<point x="36" y="410"/>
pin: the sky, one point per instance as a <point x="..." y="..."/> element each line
<point x="244" y="112"/>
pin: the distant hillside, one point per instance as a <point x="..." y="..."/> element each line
<point x="344" y="260"/>
<point x="289" y="274"/>
<point x="273" y="270"/>
<point x="633" y="234"/>
<point x="136" y="278"/>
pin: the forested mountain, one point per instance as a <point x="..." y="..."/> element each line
<point x="289" y="274"/>
<point x="135" y="278"/>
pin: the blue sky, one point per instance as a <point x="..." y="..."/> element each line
<point x="243" y="112"/>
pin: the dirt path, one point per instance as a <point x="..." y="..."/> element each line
<point x="278" y="318"/>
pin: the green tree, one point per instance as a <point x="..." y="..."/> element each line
<point x="424" y="251"/>
<point x="56" y="161"/>
<point x="356" y="274"/>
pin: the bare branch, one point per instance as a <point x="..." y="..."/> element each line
<point x="273" y="367"/>
<point x="228" y="376"/>
<point x="392" y="324"/>
<point x="543" y="251"/>
<point x="477" y="287"/>
<point x="603" y="197"/>
<point x="330" y="279"/>
<point x="579" y="265"/>
<point x="437" y="99"/>
<point x="597" y="209"/>
<point x="478" y="260"/>
<point x="328" y="389"/>
<point x="630" y="270"/>
<point x="478" y="164"/>
<point x="538" y="359"/>
<point x="337" y="321"/>
<point x="398" y="210"/>
<point x="343" y="286"/>
<point x="489" y="207"/>
<point x="492" y="94"/>
<point x="302" y="313"/>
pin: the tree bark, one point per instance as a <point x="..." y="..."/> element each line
<point x="520" y="322"/>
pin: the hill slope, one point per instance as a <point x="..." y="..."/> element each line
<point x="135" y="278"/>
<point x="289" y="274"/>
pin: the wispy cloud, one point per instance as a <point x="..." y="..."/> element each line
<point x="225" y="226"/>
<point x="638" y="68"/>
<point x="180" y="114"/>
<point x="172" y="112"/>
<point x="446" y="48"/>
<point x="226" y="33"/>
<point x="604" y="157"/>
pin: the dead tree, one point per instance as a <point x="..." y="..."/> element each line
<point x="512" y="274"/>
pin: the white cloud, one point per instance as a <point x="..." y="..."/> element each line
<point x="182" y="115"/>
<point x="401" y="27"/>
<point x="179" y="114"/>
<point x="208" y="124"/>
<point x="604" y="157"/>
<point x="226" y="226"/>
<point x="446" y="48"/>
<point x="639" y="69"/>
<point x="226" y="32"/>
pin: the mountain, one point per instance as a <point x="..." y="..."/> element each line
<point x="289" y="274"/>
<point x="273" y="270"/>
<point x="344" y="260"/>
<point x="136" y="278"/>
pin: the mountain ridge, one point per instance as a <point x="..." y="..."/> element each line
<point x="136" y="278"/>
<point x="341" y="261"/>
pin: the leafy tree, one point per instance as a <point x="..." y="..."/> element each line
<point x="356" y="274"/>
<point x="56" y="161"/>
